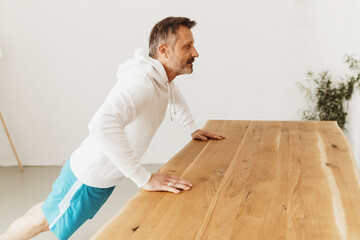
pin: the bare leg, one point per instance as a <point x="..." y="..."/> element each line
<point x="34" y="208"/>
<point x="27" y="226"/>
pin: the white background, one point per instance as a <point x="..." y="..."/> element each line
<point x="60" y="59"/>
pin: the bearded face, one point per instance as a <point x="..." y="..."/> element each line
<point x="182" y="66"/>
<point x="182" y="53"/>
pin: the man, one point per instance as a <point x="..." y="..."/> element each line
<point x="119" y="134"/>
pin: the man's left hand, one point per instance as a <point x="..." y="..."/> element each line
<point x="205" y="135"/>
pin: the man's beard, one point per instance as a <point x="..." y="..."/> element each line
<point x="183" y="68"/>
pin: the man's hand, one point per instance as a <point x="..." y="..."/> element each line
<point x="205" y="135"/>
<point x="167" y="183"/>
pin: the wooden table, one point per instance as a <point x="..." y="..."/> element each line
<point x="266" y="180"/>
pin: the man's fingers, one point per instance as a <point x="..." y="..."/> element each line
<point x="220" y="136"/>
<point x="166" y="182"/>
<point x="176" y="179"/>
<point x="204" y="135"/>
<point x="184" y="182"/>
<point x="181" y="186"/>
<point x="215" y="135"/>
<point x="170" y="189"/>
<point x="174" y="187"/>
<point x="201" y="137"/>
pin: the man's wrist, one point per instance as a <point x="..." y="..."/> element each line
<point x="151" y="176"/>
<point x="140" y="176"/>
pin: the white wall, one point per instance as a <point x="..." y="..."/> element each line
<point x="60" y="59"/>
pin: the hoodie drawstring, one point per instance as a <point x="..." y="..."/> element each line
<point x="171" y="101"/>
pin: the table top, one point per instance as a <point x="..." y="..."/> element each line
<point x="266" y="180"/>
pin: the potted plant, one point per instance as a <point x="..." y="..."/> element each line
<point x="329" y="100"/>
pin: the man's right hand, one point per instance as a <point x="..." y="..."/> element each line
<point x="167" y="183"/>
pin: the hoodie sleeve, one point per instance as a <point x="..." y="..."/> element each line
<point x="120" y="108"/>
<point x="182" y="111"/>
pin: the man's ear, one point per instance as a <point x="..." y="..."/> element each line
<point x="162" y="50"/>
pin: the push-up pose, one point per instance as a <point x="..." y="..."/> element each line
<point x="119" y="134"/>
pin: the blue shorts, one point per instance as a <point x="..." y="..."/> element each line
<point x="72" y="203"/>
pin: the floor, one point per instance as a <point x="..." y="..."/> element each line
<point x="20" y="191"/>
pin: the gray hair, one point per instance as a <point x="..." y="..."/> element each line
<point x="160" y="32"/>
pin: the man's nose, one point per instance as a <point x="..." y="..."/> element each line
<point x="195" y="53"/>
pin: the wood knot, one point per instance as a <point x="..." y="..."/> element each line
<point x="220" y="172"/>
<point x="247" y="195"/>
<point x="334" y="146"/>
<point x="135" y="228"/>
<point x="330" y="165"/>
<point x="202" y="179"/>
<point x="284" y="207"/>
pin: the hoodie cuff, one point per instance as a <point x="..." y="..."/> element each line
<point x="191" y="127"/>
<point x="140" y="176"/>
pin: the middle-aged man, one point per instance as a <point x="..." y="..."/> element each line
<point x="119" y="134"/>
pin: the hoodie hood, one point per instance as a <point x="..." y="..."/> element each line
<point x="143" y="62"/>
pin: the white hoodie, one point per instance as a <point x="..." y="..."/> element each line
<point x="122" y="128"/>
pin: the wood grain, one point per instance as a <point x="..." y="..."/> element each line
<point x="266" y="180"/>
